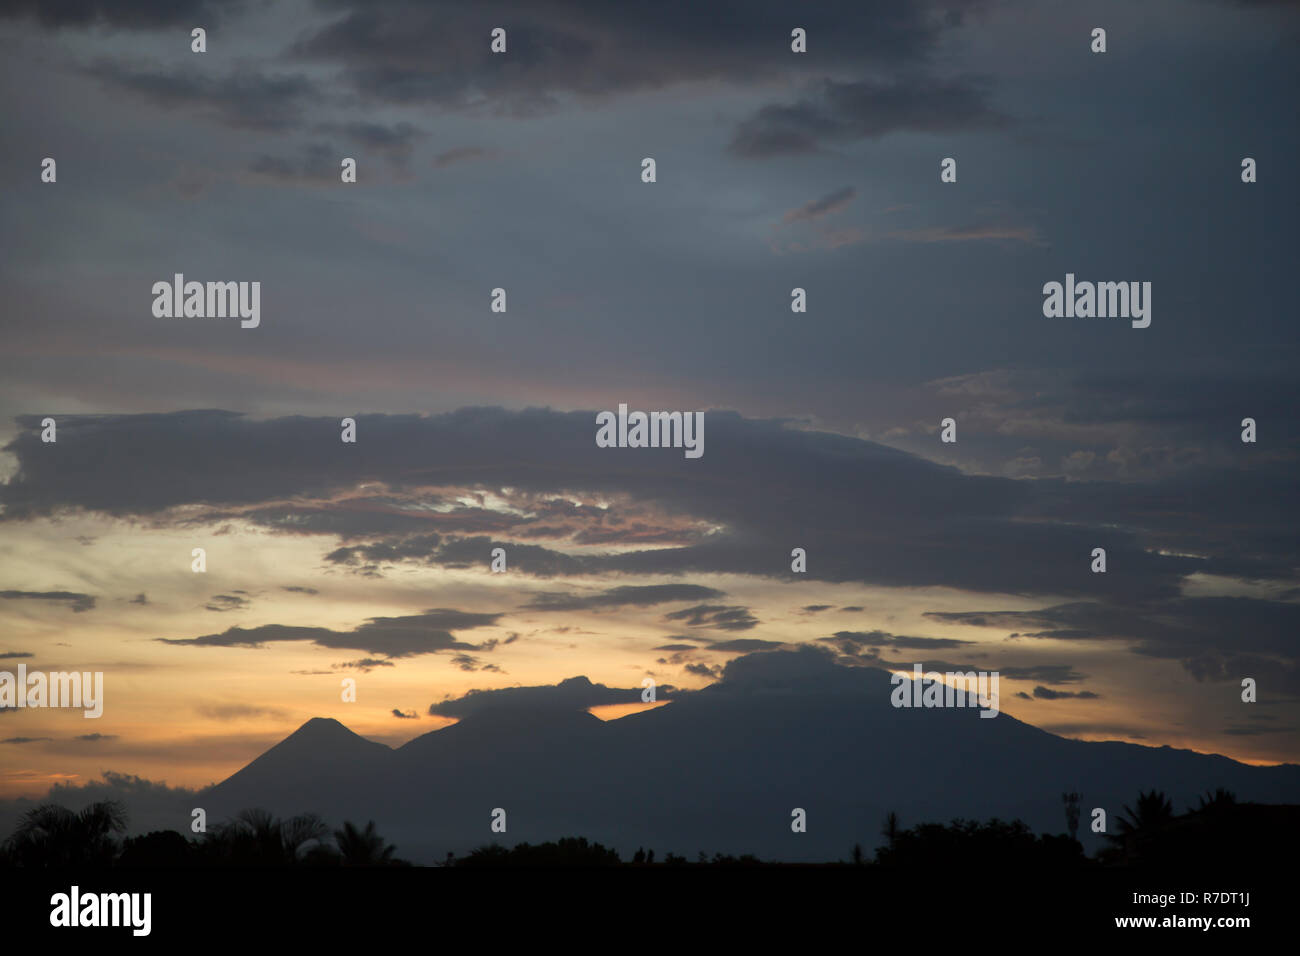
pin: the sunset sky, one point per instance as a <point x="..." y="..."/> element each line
<point x="476" y="429"/>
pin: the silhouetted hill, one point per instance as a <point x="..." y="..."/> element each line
<point x="315" y="765"/>
<point x="721" y="769"/>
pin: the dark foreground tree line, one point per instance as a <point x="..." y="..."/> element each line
<point x="1218" y="831"/>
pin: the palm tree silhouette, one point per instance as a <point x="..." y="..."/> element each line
<point x="254" y="836"/>
<point x="363" y="847"/>
<point x="1154" y="810"/>
<point x="1216" y="802"/>
<point x="51" y="835"/>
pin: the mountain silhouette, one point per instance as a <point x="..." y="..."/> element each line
<point x="721" y="769"/>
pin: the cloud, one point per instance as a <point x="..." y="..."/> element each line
<point x="745" y="645"/>
<point x="972" y="232"/>
<point x="299" y="589"/>
<point x="575" y="693"/>
<point x="1204" y="634"/>
<point x="393" y="637"/>
<point x="715" y="615"/>
<point x="137" y="15"/>
<point x="241" y="712"/>
<point x="467" y="662"/>
<point x="842" y="498"/>
<point x="405" y="715"/>
<point x="817" y="208"/>
<point x="711" y="671"/>
<point x="13" y="655"/>
<point x="1043" y="693"/>
<point x="140" y="599"/>
<point x="463" y="154"/>
<point x="227" y="602"/>
<point x="1047" y="673"/>
<point x="95" y="738"/>
<point x="315" y="164"/>
<point x="627" y="596"/>
<point x="364" y="664"/>
<point x="395" y="143"/>
<point x="841" y="112"/>
<point x="25" y="740"/>
<point x="244" y="99"/>
<point x="77" y="603"/>
<point x="410" y="52"/>
<point x="854" y="642"/>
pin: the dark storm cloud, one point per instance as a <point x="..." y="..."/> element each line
<point x="865" y="513"/>
<point x="850" y="642"/>
<point x="470" y="663"/>
<point x="1154" y="424"/>
<point x="468" y="552"/>
<point x="1215" y="639"/>
<point x="413" y="52"/>
<point x="365" y="664"/>
<point x="75" y="602"/>
<point x="315" y="164"/>
<point x="745" y="645"/>
<point x="463" y="154"/>
<point x="626" y="596"/>
<point x="710" y="671"/>
<point x="576" y="693"/>
<point x="241" y="100"/>
<point x="227" y="602"/>
<point x="715" y="615"/>
<point x="405" y="636"/>
<point x="1047" y="673"/>
<point x="837" y="113"/>
<point x="135" y="15"/>
<point x="418" y="546"/>
<point x="396" y="143"/>
<point x="817" y="208"/>
<point x="1043" y="693"/>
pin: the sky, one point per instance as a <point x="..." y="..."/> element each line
<point x="476" y="429"/>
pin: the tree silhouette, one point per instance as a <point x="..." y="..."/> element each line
<point x="1154" y="810"/>
<point x="363" y="847"/>
<point x="1216" y="802"/>
<point x="256" y="838"/>
<point x="1141" y="833"/>
<point x="997" y="842"/>
<point x="890" y="830"/>
<point x="567" y="851"/>
<point x="1071" y="801"/>
<point x="51" y="835"/>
